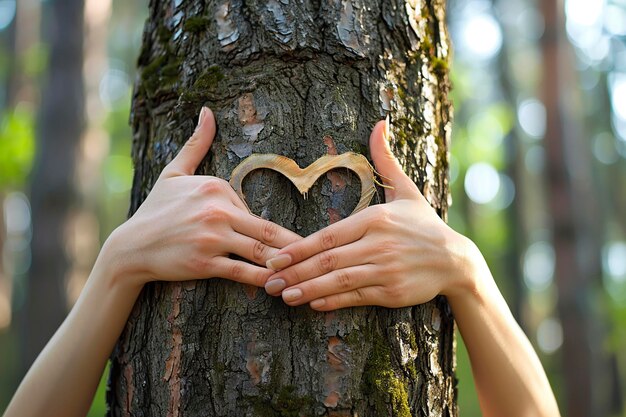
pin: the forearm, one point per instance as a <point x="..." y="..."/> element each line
<point x="63" y="379"/>
<point x="508" y="374"/>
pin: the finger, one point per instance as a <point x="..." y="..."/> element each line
<point x="337" y="234"/>
<point x="366" y="296"/>
<point x="335" y="282"/>
<point x="263" y="230"/>
<point x="195" y="149"/>
<point x="388" y="166"/>
<point x="239" y="271"/>
<point x="313" y="268"/>
<point x="249" y="248"/>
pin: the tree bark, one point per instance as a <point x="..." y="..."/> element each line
<point x="59" y="130"/>
<point x="300" y="79"/>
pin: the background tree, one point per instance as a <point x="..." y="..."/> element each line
<point x="59" y="129"/>
<point x="299" y="79"/>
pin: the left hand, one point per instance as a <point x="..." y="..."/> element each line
<point x="395" y="254"/>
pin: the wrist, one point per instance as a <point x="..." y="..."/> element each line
<point x="469" y="271"/>
<point x="119" y="262"/>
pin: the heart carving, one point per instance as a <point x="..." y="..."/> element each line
<point x="304" y="178"/>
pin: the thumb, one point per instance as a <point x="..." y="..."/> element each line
<point x="388" y="166"/>
<point x="195" y="149"/>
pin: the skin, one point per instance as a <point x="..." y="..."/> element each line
<point x="188" y="226"/>
<point x="185" y="229"/>
<point x="401" y="254"/>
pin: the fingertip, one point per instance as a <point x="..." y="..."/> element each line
<point x="279" y="262"/>
<point x="206" y="124"/>
<point x="380" y="131"/>
<point x="318" y="304"/>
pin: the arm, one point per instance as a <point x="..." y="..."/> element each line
<point x="185" y="229"/>
<point x="401" y="254"/>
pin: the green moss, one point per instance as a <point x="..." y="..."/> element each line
<point x="381" y="385"/>
<point x="276" y="400"/>
<point x="162" y="72"/>
<point x="358" y="147"/>
<point x="207" y="81"/>
<point x="209" y="78"/>
<point x="427" y="46"/>
<point x="284" y="403"/>
<point x="153" y="67"/>
<point x="163" y="34"/>
<point x="406" y="130"/>
<point x="196" y="24"/>
<point x="439" y="65"/>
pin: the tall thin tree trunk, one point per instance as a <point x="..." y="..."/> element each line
<point x="59" y="129"/>
<point x="300" y="79"/>
<point x="573" y="203"/>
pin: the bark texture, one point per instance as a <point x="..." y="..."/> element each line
<point x="301" y="79"/>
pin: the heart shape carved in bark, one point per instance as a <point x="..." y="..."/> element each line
<point x="304" y="178"/>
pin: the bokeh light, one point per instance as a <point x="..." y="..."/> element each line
<point x="531" y="115"/>
<point x="480" y="35"/>
<point x="538" y="265"/>
<point x="550" y="335"/>
<point x="482" y="183"/>
<point x="7" y="12"/>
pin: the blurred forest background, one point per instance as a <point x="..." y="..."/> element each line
<point x="538" y="173"/>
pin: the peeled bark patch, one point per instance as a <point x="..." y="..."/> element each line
<point x="299" y="79"/>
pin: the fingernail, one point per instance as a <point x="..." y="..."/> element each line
<point x="318" y="303"/>
<point x="275" y="286"/>
<point x="387" y="134"/>
<point x="292" y="294"/>
<point x="201" y="117"/>
<point x="278" y="262"/>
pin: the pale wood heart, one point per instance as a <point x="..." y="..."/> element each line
<point x="303" y="179"/>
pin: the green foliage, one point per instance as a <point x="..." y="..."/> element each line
<point x="17" y="147"/>
<point x="35" y="59"/>
<point x="98" y="406"/>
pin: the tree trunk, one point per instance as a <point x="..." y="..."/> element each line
<point x="587" y="366"/>
<point x="59" y="130"/>
<point x="300" y="79"/>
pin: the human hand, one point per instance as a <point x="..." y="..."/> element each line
<point x="395" y="254"/>
<point x="189" y="224"/>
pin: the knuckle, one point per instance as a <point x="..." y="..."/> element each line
<point x="291" y="276"/>
<point x="259" y="250"/>
<point x="210" y="186"/>
<point x="328" y="239"/>
<point x="344" y="280"/>
<point x="269" y="232"/>
<point x="198" y="265"/>
<point x="260" y="278"/>
<point x="236" y="271"/>
<point x="386" y="247"/>
<point x="327" y="261"/>
<point x="392" y="292"/>
<point x="359" y="296"/>
<point x="212" y="213"/>
<point x="382" y="215"/>
<point x="203" y="241"/>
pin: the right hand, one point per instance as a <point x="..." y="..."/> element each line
<point x="189" y="224"/>
<point x="395" y="254"/>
